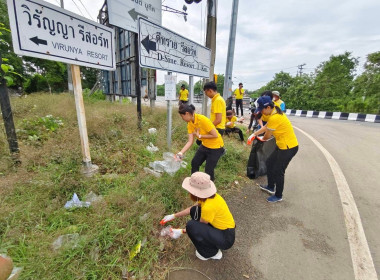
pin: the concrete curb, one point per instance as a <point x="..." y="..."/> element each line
<point x="334" y="115"/>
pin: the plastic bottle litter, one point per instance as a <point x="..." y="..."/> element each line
<point x="151" y="148"/>
<point x="166" y="231"/>
<point x="152" y="130"/>
<point x="75" y="202"/>
<point x="68" y="240"/>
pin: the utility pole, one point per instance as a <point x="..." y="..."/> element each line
<point x="210" y="43"/>
<point x="300" y="67"/>
<point x="231" y="50"/>
<point x="69" y="76"/>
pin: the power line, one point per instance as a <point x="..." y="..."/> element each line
<point x="78" y="8"/>
<point x="86" y="10"/>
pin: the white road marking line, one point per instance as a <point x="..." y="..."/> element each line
<point x="364" y="268"/>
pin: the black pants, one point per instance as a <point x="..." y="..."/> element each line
<point x="211" y="156"/>
<point x="181" y="102"/>
<point x="277" y="163"/>
<point x="235" y="130"/>
<point x="221" y="131"/>
<point x="239" y="103"/>
<point x="207" y="239"/>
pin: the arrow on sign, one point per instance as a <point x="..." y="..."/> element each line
<point x="148" y="44"/>
<point x="135" y="14"/>
<point x="38" y="41"/>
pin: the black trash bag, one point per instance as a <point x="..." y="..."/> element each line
<point x="260" y="151"/>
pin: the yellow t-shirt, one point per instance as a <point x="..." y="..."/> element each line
<point x="205" y="126"/>
<point x="283" y="131"/>
<point x="218" y="105"/>
<point x="232" y="121"/>
<point x="216" y="212"/>
<point x="237" y="93"/>
<point x="183" y="95"/>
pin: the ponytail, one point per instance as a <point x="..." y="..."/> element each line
<point x="279" y="111"/>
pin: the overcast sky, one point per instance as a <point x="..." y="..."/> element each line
<point x="274" y="35"/>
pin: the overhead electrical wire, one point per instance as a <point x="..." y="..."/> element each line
<point x="78" y="8"/>
<point x="86" y="10"/>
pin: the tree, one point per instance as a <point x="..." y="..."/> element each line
<point x="334" y="78"/>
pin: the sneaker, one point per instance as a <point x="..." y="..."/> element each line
<point x="274" y="198"/>
<point x="267" y="189"/>
<point x="218" y="256"/>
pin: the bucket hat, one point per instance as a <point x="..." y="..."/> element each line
<point x="199" y="185"/>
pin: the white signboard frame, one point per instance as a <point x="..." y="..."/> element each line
<point x="125" y="13"/>
<point x="162" y="49"/>
<point x="46" y="31"/>
<point x="170" y="88"/>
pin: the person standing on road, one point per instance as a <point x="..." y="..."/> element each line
<point x="212" y="226"/>
<point x="218" y="107"/>
<point x="183" y="95"/>
<point x="230" y="125"/>
<point x="278" y="101"/>
<point x="212" y="146"/>
<point x="280" y="127"/>
<point x="239" y="93"/>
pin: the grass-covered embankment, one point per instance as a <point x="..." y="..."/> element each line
<point x="32" y="195"/>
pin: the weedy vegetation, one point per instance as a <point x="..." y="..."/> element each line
<point x="118" y="236"/>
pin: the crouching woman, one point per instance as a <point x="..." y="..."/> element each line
<point x="212" y="227"/>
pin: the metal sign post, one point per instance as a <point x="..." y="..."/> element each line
<point x="170" y="95"/>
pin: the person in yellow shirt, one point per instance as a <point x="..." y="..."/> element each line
<point x="212" y="146"/>
<point x="218" y="107"/>
<point x="183" y="95"/>
<point x="212" y="226"/>
<point x="239" y="93"/>
<point x="280" y="127"/>
<point x="230" y="125"/>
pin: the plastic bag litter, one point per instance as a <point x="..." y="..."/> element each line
<point x="152" y="130"/>
<point x="151" y="148"/>
<point x="16" y="272"/>
<point x="75" y="202"/>
<point x="69" y="241"/>
<point x="169" y="165"/>
<point x="150" y="171"/>
<point x="165" y="231"/>
<point x="91" y="197"/>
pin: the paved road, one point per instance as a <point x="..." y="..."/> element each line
<point x="305" y="236"/>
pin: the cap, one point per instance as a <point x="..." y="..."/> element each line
<point x="276" y="93"/>
<point x="263" y="102"/>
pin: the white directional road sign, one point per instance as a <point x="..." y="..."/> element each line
<point x="124" y="13"/>
<point x="42" y="30"/>
<point x="163" y="49"/>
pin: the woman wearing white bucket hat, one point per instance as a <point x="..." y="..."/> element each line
<point x="212" y="227"/>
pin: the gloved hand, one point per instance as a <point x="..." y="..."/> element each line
<point x="167" y="218"/>
<point x="228" y="123"/>
<point x="175" y="233"/>
<point x="251" y="138"/>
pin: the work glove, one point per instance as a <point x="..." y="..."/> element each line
<point x="251" y="138"/>
<point x="167" y="218"/>
<point x="175" y="233"/>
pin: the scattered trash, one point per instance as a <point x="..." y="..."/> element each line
<point x="246" y="276"/>
<point x="144" y="217"/>
<point x="151" y="148"/>
<point x="236" y="182"/>
<point x="135" y="251"/>
<point x="75" y="202"/>
<point x="95" y="254"/>
<point x="68" y="241"/>
<point x="165" y="231"/>
<point x="91" y="197"/>
<point x="15" y="273"/>
<point x="169" y="165"/>
<point x="150" y="171"/>
<point x="152" y="130"/>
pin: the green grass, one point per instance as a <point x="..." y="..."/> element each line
<point x="32" y="195"/>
